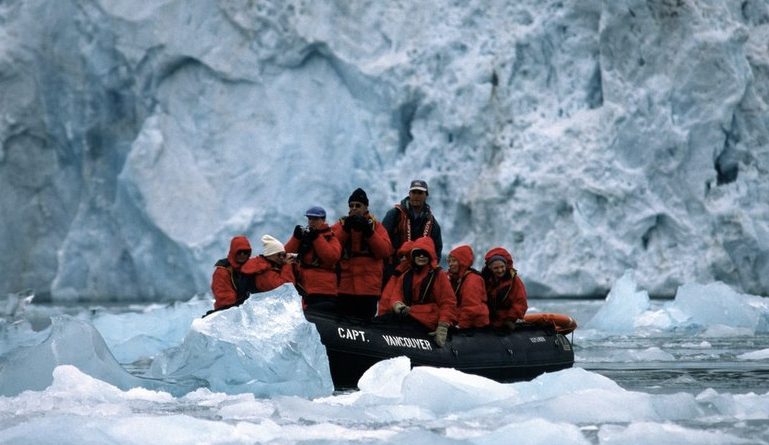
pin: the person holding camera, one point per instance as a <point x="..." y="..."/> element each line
<point x="365" y="244"/>
<point x="317" y="251"/>
<point x="272" y="268"/>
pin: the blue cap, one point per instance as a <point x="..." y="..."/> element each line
<point x="316" y="212"/>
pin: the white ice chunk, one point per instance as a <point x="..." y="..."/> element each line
<point x="644" y="433"/>
<point x="762" y="354"/>
<point x="264" y="346"/>
<point x="623" y="305"/>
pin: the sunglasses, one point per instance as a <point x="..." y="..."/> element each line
<point x="418" y="254"/>
<point x="243" y="252"/>
<point x="356" y="205"/>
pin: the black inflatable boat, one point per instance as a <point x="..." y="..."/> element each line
<point x="354" y="345"/>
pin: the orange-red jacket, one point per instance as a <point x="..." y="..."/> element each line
<point x="470" y="290"/>
<point x="430" y="297"/>
<point x="317" y="261"/>
<point x="268" y="275"/>
<point x="404" y="264"/>
<point x="228" y="285"/>
<point x="361" y="265"/>
<point x="506" y="296"/>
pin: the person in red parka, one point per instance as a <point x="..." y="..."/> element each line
<point x="229" y="285"/>
<point x="469" y="288"/>
<point x="317" y="251"/>
<point x="424" y="293"/>
<point x="504" y="289"/>
<point x="272" y="268"/>
<point x="365" y="245"/>
<point x="404" y="263"/>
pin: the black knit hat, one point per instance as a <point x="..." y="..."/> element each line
<point x="358" y="196"/>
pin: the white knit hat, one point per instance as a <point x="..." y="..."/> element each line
<point x="271" y="246"/>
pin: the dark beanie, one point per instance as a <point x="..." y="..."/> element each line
<point x="358" y="196"/>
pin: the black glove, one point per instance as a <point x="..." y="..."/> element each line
<point x="357" y="222"/>
<point x="368" y="229"/>
<point x="346" y="224"/>
<point x="310" y="235"/>
<point x="298" y="232"/>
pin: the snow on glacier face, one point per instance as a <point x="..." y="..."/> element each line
<point x="587" y="138"/>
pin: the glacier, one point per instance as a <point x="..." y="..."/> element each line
<point x="587" y="137"/>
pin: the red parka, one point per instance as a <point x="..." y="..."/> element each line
<point x="317" y="262"/>
<point x="429" y="303"/>
<point x="506" y="296"/>
<point x="361" y="265"/>
<point x="404" y="264"/>
<point x="268" y="275"/>
<point x="470" y="290"/>
<point x="227" y="284"/>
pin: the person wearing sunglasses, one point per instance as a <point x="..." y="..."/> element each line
<point x="412" y="218"/>
<point x="229" y="285"/>
<point x="317" y="251"/>
<point x="424" y="292"/>
<point x="272" y="268"/>
<point x="365" y="244"/>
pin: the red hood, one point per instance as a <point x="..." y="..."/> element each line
<point x="464" y="256"/>
<point x="426" y="243"/>
<point x="405" y="248"/>
<point x="499" y="251"/>
<point x="238" y="243"/>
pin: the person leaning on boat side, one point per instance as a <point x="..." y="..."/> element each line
<point x="424" y="293"/>
<point x="404" y="258"/>
<point x="412" y="218"/>
<point x="317" y="251"/>
<point x="272" y="268"/>
<point x="504" y="289"/>
<point x="469" y="288"/>
<point x="229" y="285"/>
<point x="364" y="245"/>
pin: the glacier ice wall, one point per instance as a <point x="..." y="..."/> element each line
<point x="587" y="137"/>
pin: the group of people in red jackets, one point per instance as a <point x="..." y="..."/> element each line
<point x="366" y="268"/>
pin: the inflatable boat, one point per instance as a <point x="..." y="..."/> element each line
<point x="353" y="345"/>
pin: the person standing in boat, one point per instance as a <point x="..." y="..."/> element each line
<point x="412" y="218"/>
<point x="229" y="285"/>
<point x="424" y="293"/>
<point x="469" y="288"/>
<point x="365" y="244"/>
<point x="272" y="268"/>
<point x="504" y="289"/>
<point x="317" y="251"/>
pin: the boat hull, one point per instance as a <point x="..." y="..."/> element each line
<point x="354" y="345"/>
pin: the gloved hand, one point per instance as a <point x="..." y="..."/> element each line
<point x="400" y="308"/>
<point x="298" y="232"/>
<point x="368" y="229"/>
<point x="357" y="222"/>
<point x="510" y="325"/>
<point x="310" y="235"/>
<point x="440" y="334"/>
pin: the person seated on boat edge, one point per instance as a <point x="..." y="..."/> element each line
<point x="229" y="285"/>
<point x="404" y="256"/>
<point x="410" y="219"/>
<point x="365" y="244"/>
<point x="317" y="251"/>
<point x="505" y="292"/>
<point x="469" y="288"/>
<point x="272" y="268"/>
<point x="424" y="293"/>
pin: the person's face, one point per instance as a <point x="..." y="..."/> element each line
<point x="241" y="256"/>
<point x="358" y="208"/>
<point x="498" y="268"/>
<point x="315" y="223"/>
<point x="277" y="258"/>
<point x="417" y="198"/>
<point x="453" y="265"/>
<point x="421" y="259"/>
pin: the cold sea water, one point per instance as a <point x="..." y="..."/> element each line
<point x="647" y="371"/>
